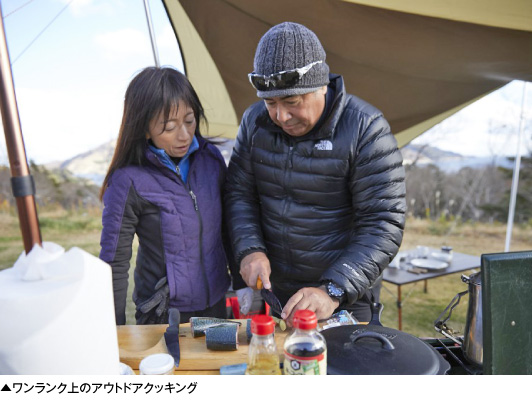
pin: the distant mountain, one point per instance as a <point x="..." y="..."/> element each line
<point x="449" y="162"/>
<point x="93" y="164"/>
<point x="90" y="165"/>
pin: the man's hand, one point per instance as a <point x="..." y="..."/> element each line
<point x="314" y="299"/>
<point x="253" y="266"/>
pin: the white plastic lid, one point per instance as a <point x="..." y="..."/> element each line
<point x="156" y="364"/>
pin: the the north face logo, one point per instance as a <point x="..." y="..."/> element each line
<point x="323" y="145"/>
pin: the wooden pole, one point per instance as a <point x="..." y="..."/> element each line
<point x="21" y="181"/>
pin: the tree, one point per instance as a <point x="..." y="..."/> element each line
<point x="523" y="203"/>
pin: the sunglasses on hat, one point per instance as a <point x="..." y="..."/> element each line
<point x="280" y="80"/>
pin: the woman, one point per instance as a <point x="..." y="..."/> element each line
<point x="164" y="184"/>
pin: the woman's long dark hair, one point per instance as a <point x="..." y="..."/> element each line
<point x="153" y="91"/>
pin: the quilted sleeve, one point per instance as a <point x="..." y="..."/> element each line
<point x="378" y="192"/>
<point x="119" y="220"/>
<point x="242" y="208"/>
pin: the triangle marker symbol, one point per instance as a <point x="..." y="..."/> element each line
<point x="5" y="388"/>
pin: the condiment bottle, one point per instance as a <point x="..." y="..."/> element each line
<point x="263" y="358"/>
<point x="305" y="350"/>
<point x="157" y="364"/>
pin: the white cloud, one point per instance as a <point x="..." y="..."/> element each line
<point x="81" y="8"/>
<point x="59" y="124"/>
<point x="166" y="38"/>
<point x="168" y="48"/>
<point x="488" y="127"/>
<point x="125" y="43"/>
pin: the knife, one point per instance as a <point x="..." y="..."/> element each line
<point x="171" y="336"/>
<point x="270" y="298"/>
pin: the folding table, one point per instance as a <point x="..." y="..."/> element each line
<point x="401" y="276"/>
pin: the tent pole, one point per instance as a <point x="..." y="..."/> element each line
<point x="22" y="183"/>
<point x="515" y="177"/>
<point x="152" y="34"/>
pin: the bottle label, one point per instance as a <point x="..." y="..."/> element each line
<point x="299" y="365"/>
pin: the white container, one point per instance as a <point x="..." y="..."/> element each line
<point x="422" y="252"/>
<point x="443" y="257"/>
<point x="446" y="254"/>
<point x="57" y="314"/>
<point x="157" y="364"/>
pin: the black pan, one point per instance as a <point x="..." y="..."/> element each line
<point x="373" y="349"/>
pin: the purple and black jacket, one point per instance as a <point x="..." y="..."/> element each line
<point x="179" y="229"/>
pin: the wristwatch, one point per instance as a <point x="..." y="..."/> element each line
<point x="335" y="291"/>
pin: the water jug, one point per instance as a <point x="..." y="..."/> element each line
<point x="472" y="346"/>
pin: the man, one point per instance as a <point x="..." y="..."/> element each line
<point x="315" y="195"/>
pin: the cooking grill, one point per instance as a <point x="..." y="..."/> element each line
<point x="452" y="352"/>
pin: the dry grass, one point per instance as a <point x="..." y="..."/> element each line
<point x="66" y="228"/>
<point x="82" y="229"/>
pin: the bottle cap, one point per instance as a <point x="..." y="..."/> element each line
<point x="262" y="325"/>
<point x="305" y="319"/>
<point x="157" y="364"/>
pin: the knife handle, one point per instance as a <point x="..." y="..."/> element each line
<point x="174" y="317"/>
<point x="259" y="283"/>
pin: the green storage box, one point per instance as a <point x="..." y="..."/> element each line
<point x="507" y="313"/>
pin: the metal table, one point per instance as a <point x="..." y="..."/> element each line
<point x="401" y="276"/>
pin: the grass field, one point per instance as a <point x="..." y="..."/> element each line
<point x="82" y="229"/>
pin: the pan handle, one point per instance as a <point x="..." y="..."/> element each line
<point x="376" y="311"/>
<point x="386" y="344"/>
<point x="440" y="324"/>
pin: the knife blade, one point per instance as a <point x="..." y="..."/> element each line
<point x="270" y="298"/>
<point x="171" y="336"/>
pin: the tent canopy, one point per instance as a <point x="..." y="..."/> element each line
<point x="419" y="61"/>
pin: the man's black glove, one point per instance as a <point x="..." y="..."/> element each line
<point x="158" y="300"/>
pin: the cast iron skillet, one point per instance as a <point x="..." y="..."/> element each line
<point x="373" y="349"/>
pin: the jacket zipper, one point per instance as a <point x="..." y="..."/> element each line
<point x="198" y="213"/>
<point x="290" y="155"/>
<point x="286" y="200"/>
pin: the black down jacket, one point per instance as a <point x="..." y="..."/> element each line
<point x="326" y="206"/>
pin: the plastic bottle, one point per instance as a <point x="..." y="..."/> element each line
<point x="263" y="358"/>
<point x="305" y="349"/>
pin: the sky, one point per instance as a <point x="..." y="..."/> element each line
<point x="70" y="82"/>
<point x="491" y="126"/>
<point x="73" y="59"/>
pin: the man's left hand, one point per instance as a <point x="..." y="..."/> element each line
<point x="314" y="299"/>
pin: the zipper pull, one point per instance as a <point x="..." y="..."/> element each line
<point x="177" y="170"/>
<point x="290" y="152"/>
<point x="193" y="196"/>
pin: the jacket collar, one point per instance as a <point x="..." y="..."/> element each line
<point x="160" y="158"/>
<point x="337" y="88"/>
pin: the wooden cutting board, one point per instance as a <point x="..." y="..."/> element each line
<point x="138" y="341"/>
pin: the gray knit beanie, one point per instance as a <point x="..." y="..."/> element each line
<point x="289" y="46"/>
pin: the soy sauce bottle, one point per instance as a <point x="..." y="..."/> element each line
<point x="305" y="350"/>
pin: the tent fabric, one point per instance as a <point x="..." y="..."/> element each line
<point x="416" y="67"/>
<point x="509" y="14"/>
